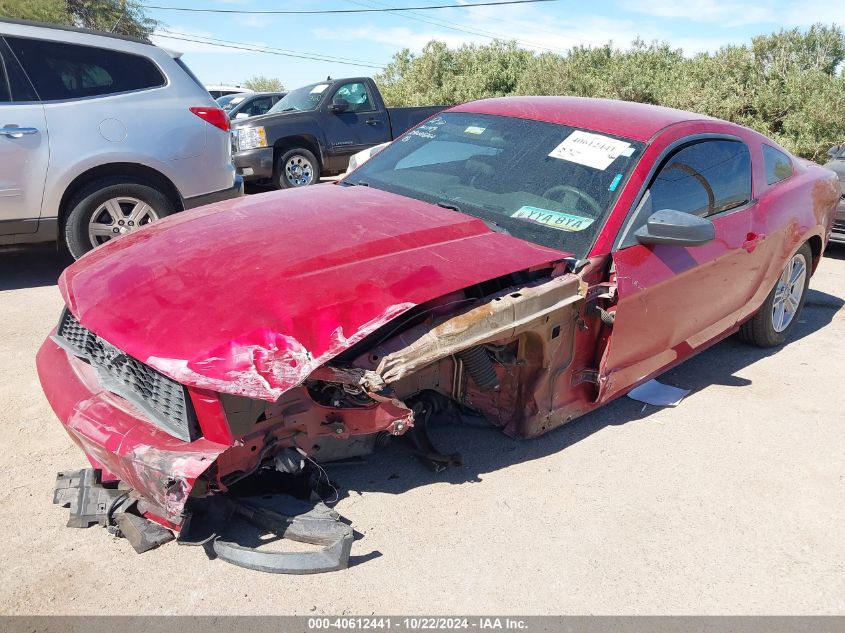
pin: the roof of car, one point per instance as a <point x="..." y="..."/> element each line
<point x="627" y="119"/>
<point x="74" y="29"/>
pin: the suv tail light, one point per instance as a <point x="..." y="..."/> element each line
<point x="216" y="116"/>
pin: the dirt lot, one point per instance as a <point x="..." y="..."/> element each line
<point x="733" y="502"/>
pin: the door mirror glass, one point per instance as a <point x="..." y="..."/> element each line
<point x="675" y="228"/>
<point x="339" y="105"/>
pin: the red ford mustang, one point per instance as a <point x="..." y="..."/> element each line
<point x="528" y="258"/>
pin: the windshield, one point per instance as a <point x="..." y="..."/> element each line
<point x="302" y="99"/>
<point x="227" y="102"/>
<point x="542" y="182"/>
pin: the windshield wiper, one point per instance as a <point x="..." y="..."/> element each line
<point x="449" y="205"/>
<point x="349" y="183"/>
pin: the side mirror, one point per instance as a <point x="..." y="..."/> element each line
<point x="339" y="105"/>
<point x="675" y="228"/>
<point x="241" y="115"/>
<point x="833" y="152"/>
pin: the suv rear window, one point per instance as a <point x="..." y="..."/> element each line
<point x="67" y="71"/>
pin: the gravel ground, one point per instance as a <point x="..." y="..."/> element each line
<point x="733" y="502"/>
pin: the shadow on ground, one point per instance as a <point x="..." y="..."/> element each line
<point x="31" y="266"/>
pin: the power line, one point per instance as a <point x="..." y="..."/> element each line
<point x="317" y="56"/>
<point x="492" y="3"/>
<point x="251" y="48"/>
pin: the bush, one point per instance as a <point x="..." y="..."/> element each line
<point x="787" y="85"/>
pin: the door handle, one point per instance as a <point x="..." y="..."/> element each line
<point x="17" y="132"/>
<point x="372" y="121"/>
<point x="751" y="241"/>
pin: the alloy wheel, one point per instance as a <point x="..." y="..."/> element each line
<point x="117" y="216"/>
<point x="790" y="287"/>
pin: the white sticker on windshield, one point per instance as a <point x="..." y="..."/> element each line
<point x="553" y="219"/>
<point x="317" y="90"/>
<point x="474" y="129"/>
<point x="592" y="150"/>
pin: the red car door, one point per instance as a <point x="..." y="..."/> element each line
<point x="672" y="299"/>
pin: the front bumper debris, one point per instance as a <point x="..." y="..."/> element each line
<point x="118" y="509"/>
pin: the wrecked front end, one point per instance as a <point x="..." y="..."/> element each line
<point x="488" y="348"/>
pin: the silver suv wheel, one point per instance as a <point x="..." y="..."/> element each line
<point x="117" y="216"/>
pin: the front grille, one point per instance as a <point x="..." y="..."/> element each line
<point x="164" y="400"/>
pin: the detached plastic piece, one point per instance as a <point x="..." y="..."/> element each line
<point x="284" y="516"/>
<point x="88" y="500"/>
<point x="142" y="534"/>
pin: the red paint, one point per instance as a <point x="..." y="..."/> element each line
<point x="635" y="121"/>
<point x="249" y="296"/>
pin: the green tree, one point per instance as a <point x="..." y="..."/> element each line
<point x="125" y="17"/>
<point x="261" y="83"/>
<point x="788" y="85"/>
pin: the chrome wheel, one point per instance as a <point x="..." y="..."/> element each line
<point x="118" y="216"/>
<point x="299" y="171"/>
<point x="788" y="293"/>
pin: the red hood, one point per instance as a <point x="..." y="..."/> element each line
<point x="249" y="296"/>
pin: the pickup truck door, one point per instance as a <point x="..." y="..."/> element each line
<point x="360" y="126"/>
<point x="24" y="150"/>
<point x="673" y="299"/>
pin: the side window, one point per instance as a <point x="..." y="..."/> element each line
<point x="778" y="165"/>
<point x="67" y="71"/>
<point x="704" y="178"/>
<point x="356" y="96"/>
<point x="259" y="106"/>
<point x="15" y="86"/>
<point x="5" y="89"/>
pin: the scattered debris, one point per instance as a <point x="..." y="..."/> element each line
<point x="658" y="394"/>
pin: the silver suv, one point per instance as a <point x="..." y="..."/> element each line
<point x="101" y="134"/>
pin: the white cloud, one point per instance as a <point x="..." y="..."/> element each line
<point x="724" y="12"/>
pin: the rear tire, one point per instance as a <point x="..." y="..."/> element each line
<point x="111" y="207"/>
<point x="296" y="167"/>
<point x="772" y="324"/>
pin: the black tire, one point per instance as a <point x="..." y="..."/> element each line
<point x="84" y="204"/>
<point x="760" y="330"/>
<point x="283" y="178"/>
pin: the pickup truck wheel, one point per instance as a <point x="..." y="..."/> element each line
<point x="296" y="168"/>
<point x="109" y="208"/>
<point x="778" y="315"/>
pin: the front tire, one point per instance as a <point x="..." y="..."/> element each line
<point x="296" y="168"/>
<point x="778" y="316"/>
<point x="109" y="208"/>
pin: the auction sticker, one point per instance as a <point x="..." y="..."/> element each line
<point x="592" y="150"/>
<point x="553" y="219"/>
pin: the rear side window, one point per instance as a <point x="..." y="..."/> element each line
<point x="67" y="71"/>
<point x="14" y="86"/>
<point x="778" y="165"/>
<point x="704" y="178"/>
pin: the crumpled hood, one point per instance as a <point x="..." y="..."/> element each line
<point x="249" y="296"/>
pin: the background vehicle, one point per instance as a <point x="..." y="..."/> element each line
<point x="220" y="90"/>
<point x="101" y="134"/>
<point x="837" y="164"/>
<point x="243" y="105"/>
<point x="315" y="129"/>
<point x="532" y="269"/>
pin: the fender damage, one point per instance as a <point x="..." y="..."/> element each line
<point x="181" y="369"/>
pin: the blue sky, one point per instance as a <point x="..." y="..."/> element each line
<point x="694" y="25"/>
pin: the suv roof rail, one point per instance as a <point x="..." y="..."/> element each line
<point x="75" y="29"/>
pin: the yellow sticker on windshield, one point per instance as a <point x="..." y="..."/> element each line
<point x="553" y="219"/>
